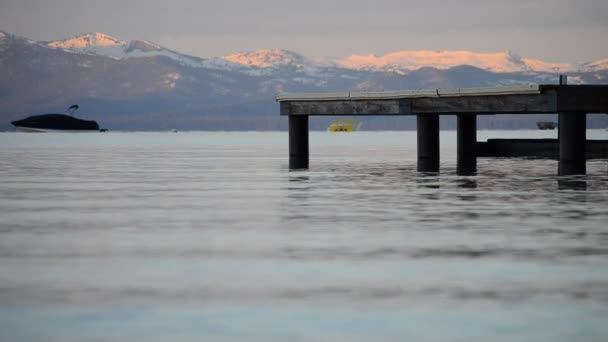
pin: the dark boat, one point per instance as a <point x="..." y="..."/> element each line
<point x="56" y="123"/>
<point x="546" y="125"/>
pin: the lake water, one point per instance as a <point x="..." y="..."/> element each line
<point x="208" y="236"/>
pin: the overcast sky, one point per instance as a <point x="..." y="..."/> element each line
<point x="553" y="30"/>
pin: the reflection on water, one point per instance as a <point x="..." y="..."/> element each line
<point x="210" y="236"/>
<point x="572" y="183"/>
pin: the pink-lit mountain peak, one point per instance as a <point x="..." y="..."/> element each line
<point x="505" y="61"/>
<point x="599" y="65"/>
<point x="101" y="44"/>
<point x="268" y="58"/>
<point x="95" y="39"/>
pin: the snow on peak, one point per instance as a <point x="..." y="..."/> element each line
<point x="143" y="45"/>
<point x="101" y="44"/>
<point x="268" y="58"/>
<point x="542" y="66"/>
<point x="88" y="40"/>
<point x="600" y="65"/>
<point x="4" y="36"/>
<point x="506" y="61"/>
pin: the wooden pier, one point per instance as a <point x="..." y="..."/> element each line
<point x="571" y="102"/>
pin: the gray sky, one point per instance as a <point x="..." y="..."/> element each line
<point x="553" y="30"/>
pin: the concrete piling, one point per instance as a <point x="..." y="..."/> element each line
<point x="572" y="140"/>
<point x="428" y="142"/>
<point x="298" y="142"/>
<point x="466" y="150"/>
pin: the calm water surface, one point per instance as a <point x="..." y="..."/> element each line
<point x="208" y="236"/>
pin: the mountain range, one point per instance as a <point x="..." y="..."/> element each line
<point x="140" y="85"/>
<point x="401" y="61"/>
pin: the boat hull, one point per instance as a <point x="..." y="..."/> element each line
<point x="47" y="130"/>
<point x="55" y="123"/>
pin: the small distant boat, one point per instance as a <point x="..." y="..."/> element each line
<point x="345" y="126"/>
<point x="546" y="125"/>
<point x="56" y="123"/>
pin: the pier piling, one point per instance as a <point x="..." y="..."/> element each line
<point x="466" y="150"/>
<point x="298" y="142"/>
<point x="428" y="142"/>
<point x="572" y="140"/>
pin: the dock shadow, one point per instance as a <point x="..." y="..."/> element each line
<point x="572" y="184"/>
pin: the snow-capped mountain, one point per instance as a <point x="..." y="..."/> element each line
<point x="412" y="60"/>
<point x="90" y="42"/>
<point x="101" y="44"/>
<point x="269" y="58"/>
<point x="400" y="61"/>
<point x="272" y="61"/>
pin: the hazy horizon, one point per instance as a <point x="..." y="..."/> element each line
<point x="555" y="31"/>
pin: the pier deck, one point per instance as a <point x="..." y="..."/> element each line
<point x="571" y="102"/>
